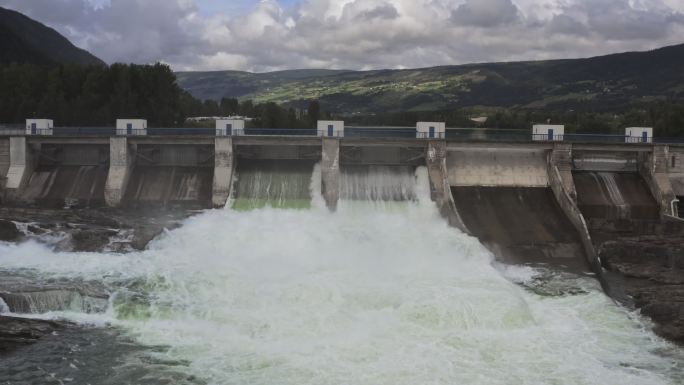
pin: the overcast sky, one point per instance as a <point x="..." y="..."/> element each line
<point x="355" y="34"/>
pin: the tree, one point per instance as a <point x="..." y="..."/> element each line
<point x="313" y="112"/>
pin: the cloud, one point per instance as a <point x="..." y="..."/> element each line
<point x="486" y="13"/>
<point x="355" y="34"/>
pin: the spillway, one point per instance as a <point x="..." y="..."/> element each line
<point x="387" y="294"/>
<point x="274" y="184"/>
<point x="614" y="195"/>
<point x="521" y="225"/>
<point x="169" y="186"/>
<point x="59" y="186"/>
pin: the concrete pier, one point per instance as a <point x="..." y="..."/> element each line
<point x="563" y="187"/>
<point x="223" y="171"/>
<point x="560" y="157"/>
<point x="439" y="185"/>
<point x="21" y="165"/>
<point x="120" y="164"/>
<point x="330" y="172"/>
<point x="654" y="169"/>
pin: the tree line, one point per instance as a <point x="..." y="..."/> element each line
<point x="665" y="116"/>
<point x="96" y="96"/>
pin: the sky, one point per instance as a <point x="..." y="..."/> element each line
<point x="268" y="35"/>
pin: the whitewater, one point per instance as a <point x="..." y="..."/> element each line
<point x="375" y="293"/>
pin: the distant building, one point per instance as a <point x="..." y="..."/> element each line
<point x="639" y="134"/>
<point x="209" y="118"/>
<point x="430" y="130"/>
<point x="548" y="132"/>
<point x="229" y="127"/>
<point x="39" y="126"/>
<point x="129" y="127"/>
<point x="333" y="128"/>
<point x="480" y="120"/>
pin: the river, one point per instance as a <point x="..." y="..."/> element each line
<point x="379" y="292"/>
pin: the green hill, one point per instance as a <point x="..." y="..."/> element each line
<point x="600" y="83"/>
<point x="23" y="40"/>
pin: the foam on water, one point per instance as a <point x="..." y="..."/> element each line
<point x="367" y="295"/>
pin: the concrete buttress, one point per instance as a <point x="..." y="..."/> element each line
<point x="21" y="165"/>
<point x="654" y="169"/>
<point x="223" y="171"/>
<point x="440" y="189"/>
<point x="330" y="172"/>
<point x="120" y="165"/>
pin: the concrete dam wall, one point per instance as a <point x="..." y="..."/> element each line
<point x="171" y="175"/>
<point x="603" y="181"/>
<point x="64" y="175"/>
<point x="520" y="224"/>
<point x="614" y="195"/>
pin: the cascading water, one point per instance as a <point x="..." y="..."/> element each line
<point x="378" y="183"/>
<point x="614" y="194"/>
<point x="275" y="184"/>
<point x="371" y="296"/>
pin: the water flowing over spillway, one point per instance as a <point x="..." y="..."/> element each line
<point x="376" y="293"/>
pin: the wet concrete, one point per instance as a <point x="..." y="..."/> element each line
<point x="521" y="225"/>
<point x="613" y="195"/>
<point x="169" y="186"/>
<point x="60" y="186"/>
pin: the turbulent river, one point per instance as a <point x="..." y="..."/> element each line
<point x="379" y="292"/>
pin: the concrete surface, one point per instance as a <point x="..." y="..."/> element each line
<point x="503" y="167"/>
<point x="223" y="171"/>
<point x="521" y="225"/>
<point x="654" y="169"/>
<point x="120" y="164"/>
<point x="21" y="164"/>
<point x="439" y="185"/>
<point x="330" y="172"/>
<point x="611" y="195"/>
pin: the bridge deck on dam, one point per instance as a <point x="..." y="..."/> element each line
<point x="521" y="225"/>
<point x="614" y="195"/>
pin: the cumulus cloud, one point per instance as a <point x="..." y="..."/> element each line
<point x="356" y="34"/>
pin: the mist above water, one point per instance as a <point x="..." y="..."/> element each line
<point x="376" y="293"/>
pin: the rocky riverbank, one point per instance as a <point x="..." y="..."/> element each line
<point x="79" y="230"/>
<point x="652" y="271"/>
<point x="87" y="229"/>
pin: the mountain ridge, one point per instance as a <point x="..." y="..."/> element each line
<point x="24" y="40"/>
<point x="607" y="81"/>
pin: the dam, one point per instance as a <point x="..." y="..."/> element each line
<point x="346" y="259"/>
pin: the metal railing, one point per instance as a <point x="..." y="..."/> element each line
<point x="277" y="132"/>
<point x="461" y="134"/>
